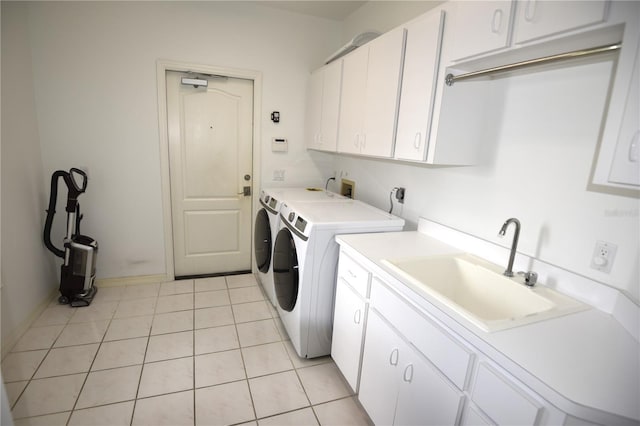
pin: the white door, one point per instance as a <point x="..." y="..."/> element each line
<point x="210" y="144"/>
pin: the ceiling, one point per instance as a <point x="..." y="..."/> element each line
<point x="334" y="9"/>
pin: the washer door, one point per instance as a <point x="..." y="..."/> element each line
<point x="285" y="270"/>
<point x="262" y="241"/>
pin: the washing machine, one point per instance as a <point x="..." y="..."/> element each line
<point x="267" y="225"/>
<point x="305" y="259"/>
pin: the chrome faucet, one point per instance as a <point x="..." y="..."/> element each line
<point x="514" y="245"/>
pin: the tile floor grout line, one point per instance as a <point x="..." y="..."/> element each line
<point x="51" y="348"/>
<point x="244" y="366"/>
<point x="282" y="341"/>
<point x="193" y="352"/>
<point x="135" y="400"/>
<point x="91" y="365"/>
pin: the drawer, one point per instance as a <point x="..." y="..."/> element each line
<point x="447" y="354"/>
<point x="354" y="274"/>
<point x="502" y="400"/>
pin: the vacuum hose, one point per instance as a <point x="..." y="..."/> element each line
<point x="51" y="211"/>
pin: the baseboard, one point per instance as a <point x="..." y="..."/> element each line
<point x="8" y="342"/>
<point x="123" y="281"/>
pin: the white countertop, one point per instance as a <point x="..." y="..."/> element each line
<point x="578" y="362"/>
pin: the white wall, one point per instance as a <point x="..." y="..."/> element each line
<point x="94" y="76"/>
<point x="28" y="272"/>
<point x="535" y="166"/>
<point x="382" y="16"/>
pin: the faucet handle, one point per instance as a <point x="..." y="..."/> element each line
<point x="530" y="277"/>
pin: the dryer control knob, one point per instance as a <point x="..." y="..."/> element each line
<point x="292" y="216"/>
<point x="267" y="198"/>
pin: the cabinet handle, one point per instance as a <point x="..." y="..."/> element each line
<point x="417" y="141"/>
<point x="356" y="140"/>
<point x="408" y="377"/>
<point x="364" y="140"/>
<point x="357" y="316"/>
<point x="351" y="274"/>
<point x="634" y="148"/>
<point x="319" y="138"/>
<point x="530" y="10"/>
<point x="393" y="358"/>
<point x="496" y="22"/>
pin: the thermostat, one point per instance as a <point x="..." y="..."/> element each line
<point x="279" y="145"/>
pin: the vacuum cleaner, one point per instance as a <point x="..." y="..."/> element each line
<point x="78" y="272"/>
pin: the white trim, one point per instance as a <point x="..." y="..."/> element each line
<point x="162" y="67"/>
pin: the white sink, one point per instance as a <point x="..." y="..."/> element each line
<point x="478" y="291"/>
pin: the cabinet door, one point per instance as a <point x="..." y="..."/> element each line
<point x="541" y="18"/>
<point x="380" y="377"/>
<point x="332" y="83"/>
<point x="314" y="108"/>
<point x="348" y="325"/>
<point x="481" y="27"/>
<point x="425" y="397"/>
<point x="625" y="168"/>
<point x="352" y="98"/>
<point x="419" y="76"/>
<point x="502" y="399"/>
<point x="382" y="93"/>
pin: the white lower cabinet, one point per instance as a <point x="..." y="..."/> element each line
<point x="408" y="368"/>
<point x="380" y="376"/>
<point x="502" y="400"/>
<point x="348" y="329"/>
<point x="398" y="385"/>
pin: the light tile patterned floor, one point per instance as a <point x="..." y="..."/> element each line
<point x="209" y="351"/>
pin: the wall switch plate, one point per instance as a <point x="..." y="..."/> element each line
<point x="603" y="255"/>
<point x="278" y="175"/>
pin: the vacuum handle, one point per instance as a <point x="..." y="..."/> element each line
<point x="79" y="189"/>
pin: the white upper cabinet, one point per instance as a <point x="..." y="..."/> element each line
<point x="625" y="168"/>
<point x="323" y="107"/>
<point x="481" y="27"/>
<point x="369" y="99"/>
<point x="419" y="82"/>
<point x="351" y="100"/>
<point x="542" y="18"/>
<point x="617" y="160"/>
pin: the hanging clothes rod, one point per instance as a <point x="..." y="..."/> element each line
<point x="450" y="78"/>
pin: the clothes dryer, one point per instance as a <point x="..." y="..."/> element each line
<point x="305" y="258"/>
<point x="267" y="225"/>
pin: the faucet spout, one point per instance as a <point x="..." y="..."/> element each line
<point x="514" y="244"/>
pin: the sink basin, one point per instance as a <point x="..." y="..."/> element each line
<point x="478" y="291"/>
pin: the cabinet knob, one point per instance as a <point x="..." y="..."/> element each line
<point x="530" y="10"/>
<point x="496" y="22"/>
<point x="408" y="373"/>
<point x="357" y="316"/>
<point x="417" y="141"/>
<point x="634" y="148"/>
<point x="393" y="358"/>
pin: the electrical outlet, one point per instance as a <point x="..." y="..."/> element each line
<point x="400" y="195"/>
<point x="603" y="255"/>
<point x="278" y="175"/>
